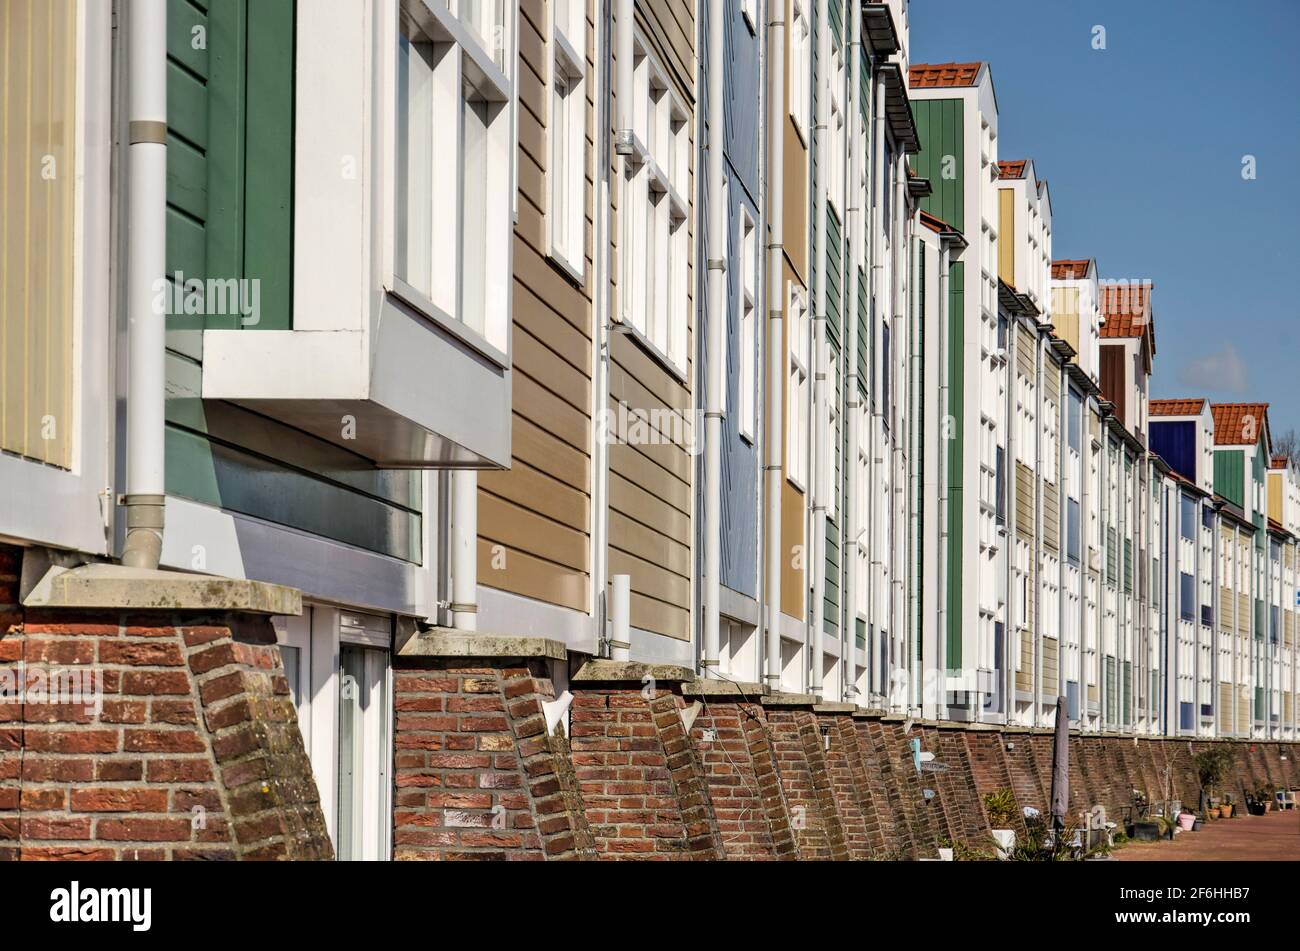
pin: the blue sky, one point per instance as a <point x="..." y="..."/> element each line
<point x="1142" y="144"/>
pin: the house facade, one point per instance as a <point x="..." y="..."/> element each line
<point x="485" y="389"/>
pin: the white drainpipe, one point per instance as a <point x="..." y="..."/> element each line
<point x="818" y="468"/>
<point x="146" y="266"/>
<point x="897" y="456"/>
<point x="940" y="659"/>
<point x="915" y="422"/>
<point x="776" y="341"/>
<point x="867" y="520"/>
<point x="716" y="345"/>
<point x="620" y="610"/>
<point x="464" y="550"/>
<point x="601" y="302"/>
<point x="852" y="402"/>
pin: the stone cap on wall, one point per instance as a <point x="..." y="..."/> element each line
<point x="599" y="670"/>
<point x="452" y="642"/>
<point x="117" y="587"/>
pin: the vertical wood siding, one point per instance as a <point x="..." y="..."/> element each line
<point x="37" y="193"/>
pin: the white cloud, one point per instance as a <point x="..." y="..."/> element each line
<point x="1224" y="371"/>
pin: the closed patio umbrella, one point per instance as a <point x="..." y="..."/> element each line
<point x="1061" y="767"/>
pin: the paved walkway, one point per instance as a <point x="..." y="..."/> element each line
<point x="1272" y="837"/>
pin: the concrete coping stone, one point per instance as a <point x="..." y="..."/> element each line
<point x="120" y="588"/>
<point x="835" y="707"/>
<point x="868" y="713"/>
<point x="451" y="642"/>
<point x="600" y="670"/>
<point x="777" y="699"/>
<point x="712" y="687"/>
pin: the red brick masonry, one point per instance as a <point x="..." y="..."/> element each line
<point x="148" y="737"/>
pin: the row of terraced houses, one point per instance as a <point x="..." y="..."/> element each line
<point x="385" y="366"/>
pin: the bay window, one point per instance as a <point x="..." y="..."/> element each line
<point x="747" y="350"/>
<point x="453" y="163"/>
<point x="567" y="135"/>
<point x="655" y="242"/>
<point x="797" y="390"/>
<point x="800" y="69"/>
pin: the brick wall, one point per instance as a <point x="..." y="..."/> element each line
<point x="476" y="776"/>
<point x="151" y="737"/>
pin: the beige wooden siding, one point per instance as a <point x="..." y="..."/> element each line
<point x="1065" y="314"/>
<point x="1289" y="628"/>
<point x="1047" y="685"/>
<point x="1025" y="675"/>
<point x="650" y="485"/>
<point x="1025" y="486"/>
<point x="1225" y="708"/>
<point x="1051" y="517"/>
<point x="1243" y="710"/>
<point x="37" y="195"/>
<point x="534" y="520"/>
<point x="1052" y="385"/>
<point x="1227" y="601"/>
<point x="1094" y="693"/>
<point x="1025" y="344"/>
<point x="1007" y="235"/>
<point x="793" y="591"/>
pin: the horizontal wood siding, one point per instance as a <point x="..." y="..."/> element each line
<point x="1025" y="499"/>
<point x="534" y="520"/>
<point x="1052" y="517"/>
<point x="650" y="486"/>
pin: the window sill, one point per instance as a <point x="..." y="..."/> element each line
<point x="435" y="314"/>
<point x="577" y="273"/>
<point x="645" y="343"/>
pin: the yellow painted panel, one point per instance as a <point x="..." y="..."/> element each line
<point x="794" y="553"/>
<point x="1275" y="497"/>
<point x="37" y="193"/>
<point x="1007" y="235"/>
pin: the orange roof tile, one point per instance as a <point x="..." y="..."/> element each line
<point x="1279" y="462"/>
<point x="1126" y="311"/>
<point x="1012" y="169"/>
<point x="1067" y="270"/>
<point x="923" y="75"/>
<point x="1176" y="407"/>
<point x="935" y="223"/>
<point x="1238" y="424"/>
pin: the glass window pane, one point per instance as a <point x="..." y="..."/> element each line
<point x="414" y="206"/>
<point x="474" y="211"/>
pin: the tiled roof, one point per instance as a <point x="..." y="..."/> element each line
<point x="935" y="223"/>
<point x="1176" y="407"/>
<point x="1279" y="462"/>
<point x="1070" y="270"/>
<point x="1011" y="169"/>
<point x="1238" y="424"/>
<point x="1126" y="311"/>
<point x="943" y="74"/>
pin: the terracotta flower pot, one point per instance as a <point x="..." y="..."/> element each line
<point x="1212" y="812"/>
<point x="1226" y="811"/>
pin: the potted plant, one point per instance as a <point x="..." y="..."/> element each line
<point x="1186" y="821"/>
<point x="1226" y="807"/>
<point x="1264" y="796"/>
<point x="1212" y="812"/>
<point x="1211" y="769"/>
<point x="1000" y="806"/>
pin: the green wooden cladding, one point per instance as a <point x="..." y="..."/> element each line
<point x="1230" y="475"/>
<point x="230" y="151"/>
<point x="939" y="123"/>
<point x="956" y="455"/>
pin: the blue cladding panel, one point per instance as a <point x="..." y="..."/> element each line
<point x="1176" y="444"/>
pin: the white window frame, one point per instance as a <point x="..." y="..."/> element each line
<point x="462" y="68"/>
<point x="747" y="329"/>
<point x="654" y="239"/>
<point x="566" y="133"/>
<point x="828" y="494"/>
<point x="835" y="175"/>
<point x="749" y="12"/>
<point x="797" y="389"/>
<point x="800" y="70"/>
<point x="317" y="635"/>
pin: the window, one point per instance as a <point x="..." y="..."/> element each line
<point x="1187" y="517"/>
<point x="886" y="364"/>
<point x="453" y="152"/>
<point x="567" y="135"/>
<point x="654" y="247"/>
<point x="797" y="393"/>
<point x="337" y="664"/>
<point x="1072" y="541"/>
<point x="830" y="444"/>
<point x="800" y="70"/>
<point x="1074" y="421"/>
<point x="835" y="179"/>
<point x="1000" y="485"/>
<point x="749" y="10"/>
<point x="747" y="346"/>
<point x="1186" y="597"/>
